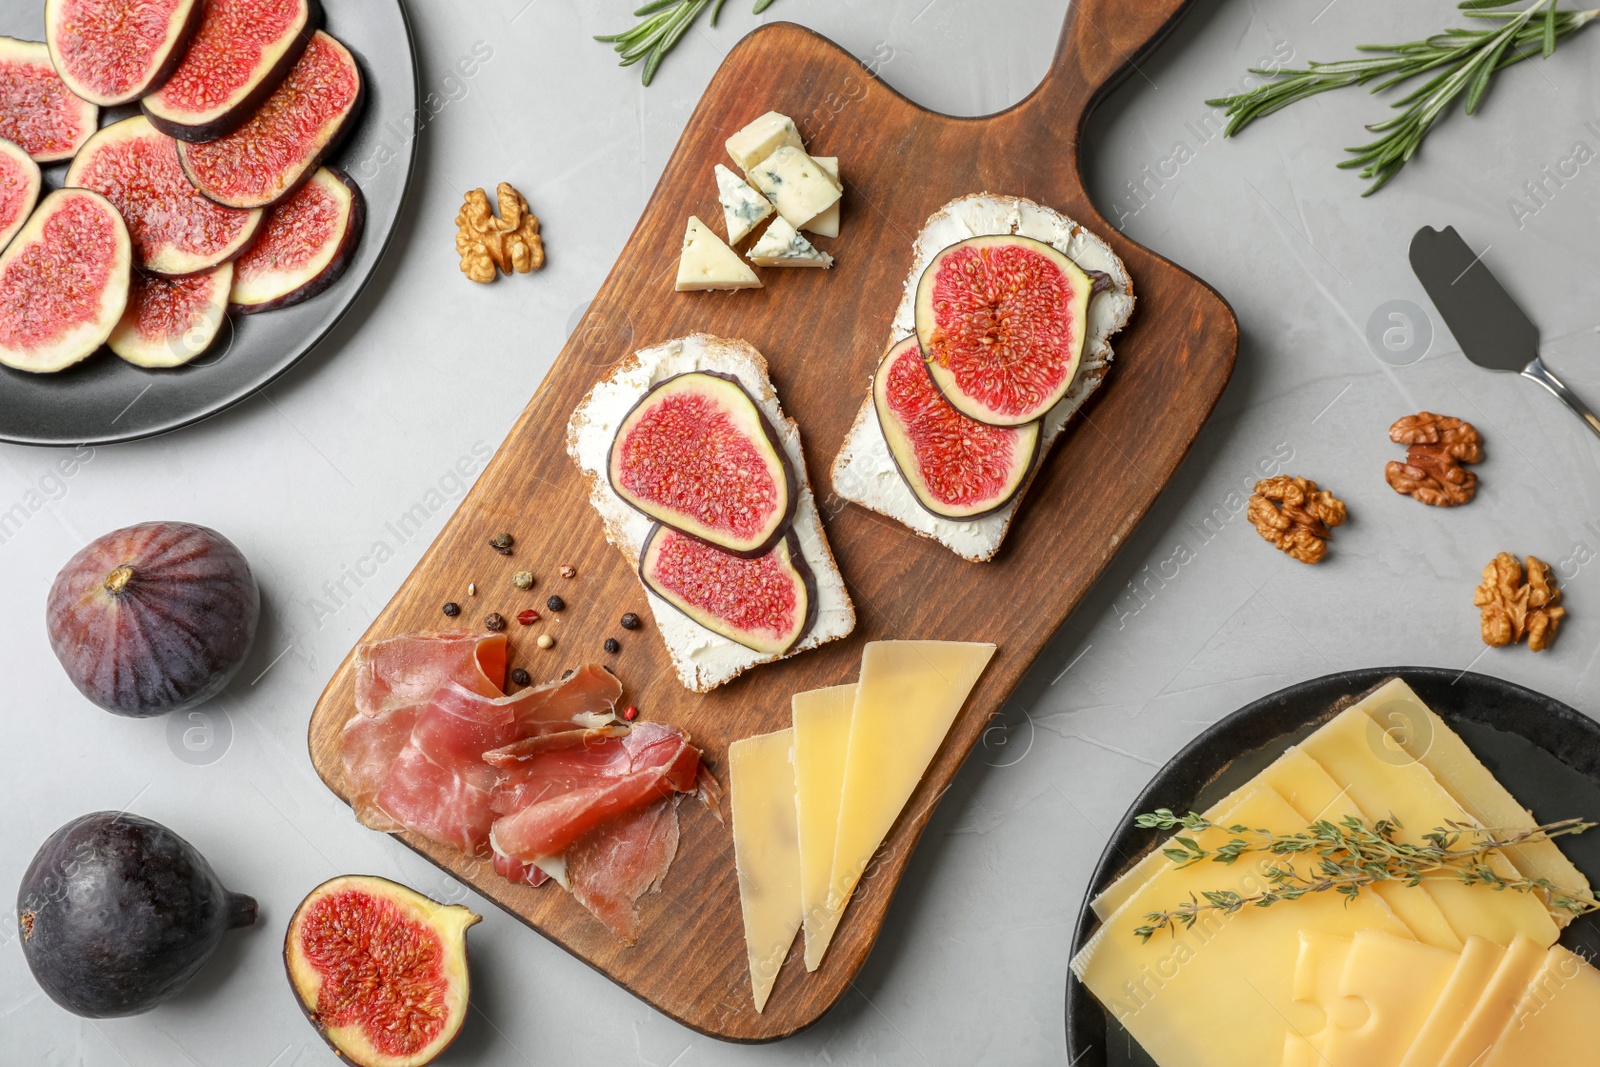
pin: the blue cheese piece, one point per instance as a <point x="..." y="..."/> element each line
<point x="797" y="185"/>
<point x="782" y="246"/>
<point x="707" y="263"/>
<point x="742" y="207"/>
<point x="761" y="138"/>
<point x="827" y="223"/>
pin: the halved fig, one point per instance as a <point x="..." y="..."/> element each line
<point x="63" y="281"/>
<point x="38" y="113"/>
<point x="241" y="52"/>
<point x="112" y="52"/>
<point x="305" y="245"/>
<point x="1001" y="323"/>
<point x="175" y="230"/>
<point x="767" y="603"/>
<point x="380" y="970"/>
<point x="267" y="158"/>
<point x="169" y="321"/>
<point x="19" y="190"/>
<point x="697" y="454"/>
<point x="956" y="467"/>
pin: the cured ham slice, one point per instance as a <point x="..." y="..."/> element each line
<point x="610" y="868"/>
<point x="404" y="671"/>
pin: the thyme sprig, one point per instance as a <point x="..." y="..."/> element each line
<point x="1466" y="61"/>
<point x="665" y="21"/>
<point x="1347" y="856"/>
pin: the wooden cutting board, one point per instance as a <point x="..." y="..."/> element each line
<point x="822" y="332"/>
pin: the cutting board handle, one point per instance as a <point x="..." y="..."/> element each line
<point x="1101" y="43"/>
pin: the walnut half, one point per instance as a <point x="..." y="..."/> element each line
<point x="488" y="244"/>
<point x="1438" y="445"/>
<point x="1514" y="607"/>
<point x="1296" y="516"/>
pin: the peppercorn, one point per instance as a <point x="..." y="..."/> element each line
<point x="566" y="674"/>
<point x="569" y="572"/>
<point x="611" y="646"/>
<point x="546" y="641"/>
<point x="527" y="616"/>
<point x="452" y="609"/>
<point x="630" y="713"/>
<point x="520" y="677"/>
<point x="522" y="580"/>
<point x="630" y="621"/>
<point x="502" y="543"/>
<point x="555" y="603"/>
<point x="494" y="621"/>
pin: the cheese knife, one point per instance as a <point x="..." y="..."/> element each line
<point x="1492" y="330"/>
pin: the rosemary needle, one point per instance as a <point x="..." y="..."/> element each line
<point x="665" y="21"/>
<point x="1465" y="60"/>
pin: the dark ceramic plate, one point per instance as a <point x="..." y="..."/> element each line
<point x="1544" y="752"/>
<point x="104" y="399"/>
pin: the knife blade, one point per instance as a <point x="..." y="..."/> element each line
<point x="1492" y="330"/>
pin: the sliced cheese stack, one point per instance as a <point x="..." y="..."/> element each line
<point x="1443" y="962"/>
<point x="812" y="804"/>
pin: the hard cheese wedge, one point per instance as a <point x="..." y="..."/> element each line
<point x="1479" y="960"/>
<point x="821" y="745"/>
<point x="1220" y="993"/>
<point x="908" y="695"/>
<point x="1379" y="998"/>
<point x="708" y="263"/>
<point x="1558" y="1020"/>
<point x="766" y="849"/>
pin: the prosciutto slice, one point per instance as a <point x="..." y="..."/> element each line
<point x="610" y="868"/>
<point x="405" y="671"/>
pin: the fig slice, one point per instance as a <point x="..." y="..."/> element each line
<point x="19" y="190"/>
<point x="767" y="603"/>
<point x="112" y="52"/>
<point x="175" y="230"/>
<point x="170" y="321"/>
<point x="241" y="51"/>
<point x="380" y="970"/>
<point x="1001" y="323"/>
<point x="698" y="455"/>
<point x="63" y="281"/>
<point x="305" y="245"/>
<point x="38" y="112"/>
<point x="267" y="158"/>
<point x="956" y="467"/>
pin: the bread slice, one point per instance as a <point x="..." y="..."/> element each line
<point x="864" y="472"/>
<point x="703" y="660"/>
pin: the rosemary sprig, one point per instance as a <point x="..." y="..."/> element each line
<point x="665" y="21"/>
<point x="1466" y="60"/>
<point x="1347" y="856"/>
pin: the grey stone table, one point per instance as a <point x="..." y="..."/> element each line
<point x="1195" y="617"/>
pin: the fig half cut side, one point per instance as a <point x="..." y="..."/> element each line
<point x="1001" y="321"/>
<point x="305" y="245"/>
<point x="956" y="467"/>
<point x="241" y="51"/>
<point x="267" y="158"/>
<point x="766" y="604"/>
<point x="40" y="114"/>
<point x="380" y="970"/>
<point x="112" y="52"/>
<point x="175" y="230"/>
<point x="697" y="454"/>
<point x="20" y="182"/>
<point x="63" y="282"/>
<point x="170" y="321"/>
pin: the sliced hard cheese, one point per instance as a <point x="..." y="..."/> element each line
<point x="1495" y="1006"/>
<point x="1424" y="736"/>
<point x="783" y="246"/>
<point x="1381" y="999"/>
<point x="1221" y="992"/>
<point x="766" y="850"/>
<point x="742" y="207"/>
<point x="796" y="184"/>
<point x="761" y="138"/>
<point x="708" y="263"/>
<point x="1558" y="1020"/>
<point x="1476" y="966"/>
<point x="908" y="695"/>
<point x="826" y="224"/>
<point x="821" y="745"/>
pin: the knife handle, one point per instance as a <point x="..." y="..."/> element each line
<point x="1541" y="374"/>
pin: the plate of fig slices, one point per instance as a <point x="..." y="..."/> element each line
<point x="185" y="214"/>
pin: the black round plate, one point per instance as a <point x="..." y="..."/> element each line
<point x="103" y="399"/>
<point x="1544" y="752"/>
